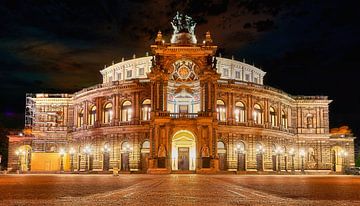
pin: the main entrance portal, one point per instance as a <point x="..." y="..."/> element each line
<point x="183" y="151"/>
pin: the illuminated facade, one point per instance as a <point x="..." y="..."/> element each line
<point x="180" y="109"/>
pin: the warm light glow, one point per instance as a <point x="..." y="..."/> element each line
<point x="71" y="151"/>
<point x="106" y="148"/>
<point x="343" y="153"/>
<point x="279" y="151"/>
<point x="291" y="151"/>
<point x="260" y="149"/>
<point x="302" y="153"/>
<point x="87" y="149"/>
<point x="62" y="151"/>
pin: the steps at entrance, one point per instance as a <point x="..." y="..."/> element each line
<point x="182" y="172"/>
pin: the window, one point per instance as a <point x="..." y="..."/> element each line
<point x="118" y="76"/>
<point x="255" y="80"/>
<point x="237" y="75"/>
<point x="110" y="78"/>
<point x="129" y="73"/>
<point x="145" y="145"/>
<point x="257" y="114"/>
<point x="284" y="121"/>
<point x="146" y="109"/>
<point x="92" y="115"/>
<point x="309" y="121"/>
<point x="141" y="71"/>
<point x="226" y="72"/>
<point x="107" y="115"/>
<point x="239" y="112"/>
<point x="247" y="77"/>
<point x="221" y="111"/>
<point x="273" y="119"/>
<point x="80" y="121"/>
<point x="126" y="112"/>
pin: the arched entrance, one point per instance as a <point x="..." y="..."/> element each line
<point x="337" y="159"/>
<point x="183" y="151"/>
<point x="24" y="158"/>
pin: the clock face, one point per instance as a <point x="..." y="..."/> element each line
<point x="184" y="70"/>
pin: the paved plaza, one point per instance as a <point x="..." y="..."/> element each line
<point x="179" y="189"/>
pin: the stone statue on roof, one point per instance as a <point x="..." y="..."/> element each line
<point x="183" y="23"/>
<point x="184" y="29"/>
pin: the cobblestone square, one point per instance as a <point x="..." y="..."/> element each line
<point x="178" y="189"/>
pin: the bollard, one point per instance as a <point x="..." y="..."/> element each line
<point x="115" y="171"/>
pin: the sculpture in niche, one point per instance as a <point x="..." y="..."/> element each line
<point x="205" y="151"/>
<point x="162" y="151"/>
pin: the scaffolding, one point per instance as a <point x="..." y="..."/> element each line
<point x="29" y="110"/>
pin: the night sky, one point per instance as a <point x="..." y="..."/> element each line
<point x="306" y="47"/>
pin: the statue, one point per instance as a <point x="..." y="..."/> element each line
<point x="162" y="151"/>
<point x="181" y="23"/>
<point x="205" y="151"/>
<point x="214" y="63"/>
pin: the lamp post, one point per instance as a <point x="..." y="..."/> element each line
<point x="302" y="155"/>
<point x="62" y="153"/>
<point x="106" y="150"/>
<point x="292" y="154"/>
<point x="343" y="154"/>
<point x="278" y="152"/>
<point x="128" y="150"/>
<point x="240" y="150"/>
<point x="72" y="153"/>
<point x="18" y="153"/>
<point x="260" y="150"/>
<point x="87" y="151"/>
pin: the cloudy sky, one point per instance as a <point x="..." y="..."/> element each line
<point x="306" y="47"/>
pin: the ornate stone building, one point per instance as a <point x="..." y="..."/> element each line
<point x="182" y="108"/>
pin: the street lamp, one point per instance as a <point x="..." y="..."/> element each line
<point x="18" y="153"/>
<point x="343" y="154"/>
<point x="106" y="149"/>
<point x="302" y="155"/>
<point x="260" y="150"/>
<point x="240" y="150"/>
<point x="278" y="152"/>
<point x="87" y="151"/>
<point x="62" y="153"/>
<point x="72" y="153"/>
<point x="128" y="149"/>
<point x="292" y="154"/>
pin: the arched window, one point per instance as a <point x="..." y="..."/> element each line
<point x="126" y="147"/>
<point x="80" y="119"/>
<point x="145" y="145"/>
<point x="260" y="149"/>
<point x="239" y="112"/>
<point x="221" y="110"/>
<point x="309" y="121"/>
<point x="240" y="147"/>
<point x="284" y="121"/>
<point x="273" y="118"/>
<point x="92" y="115"/>
<point x="126" y="111"/>
<point x="107" y="114"/>
<point x="146" y="109"/>
<point x="257" y="114"/>
<point x="220" y="145"/>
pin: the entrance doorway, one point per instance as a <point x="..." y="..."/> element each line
<point x="183" y="158"/>
<point x="183" y="151"/>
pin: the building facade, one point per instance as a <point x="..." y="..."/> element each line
<point x="179" y="109"/>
